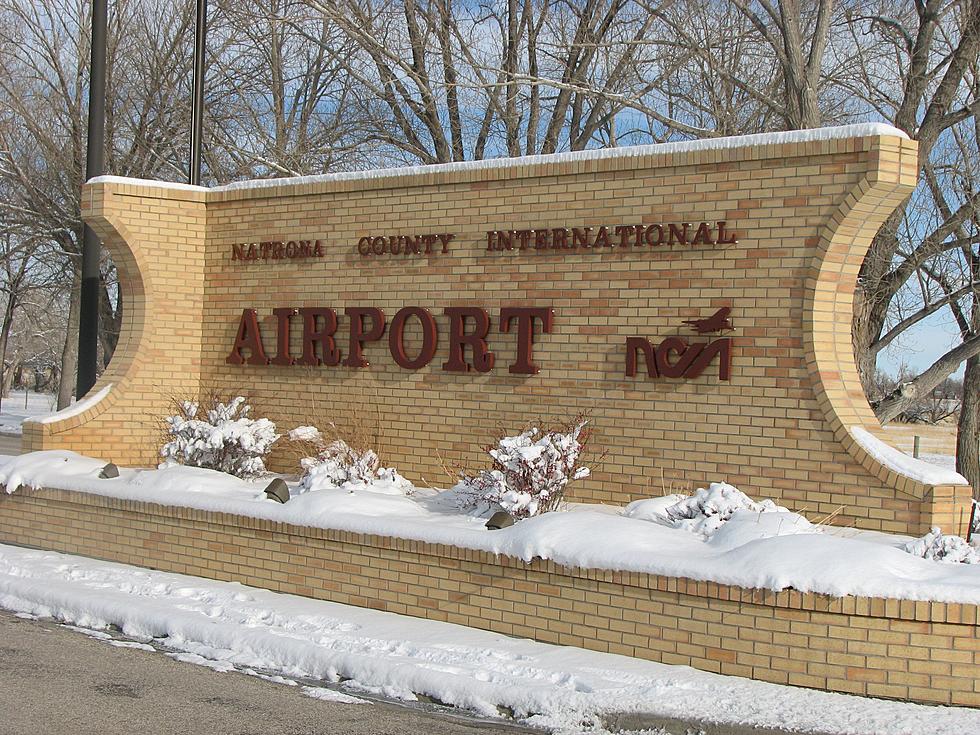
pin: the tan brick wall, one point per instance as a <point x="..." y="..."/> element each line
<point x="804" y="214"/>
<point x="926" y="652"/>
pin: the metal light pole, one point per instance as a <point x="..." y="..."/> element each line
<point x="88" y="312"/>
<point x="197" y="103"/>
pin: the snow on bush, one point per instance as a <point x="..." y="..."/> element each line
<point x="225" y="439"/>
<point x="938" y="547"/>
<point x="708" y="509"/>
<point x="305" y="434"/>
<point x="652" y="509"/>
<point x="530" y="471"/>
<point x="338" y="465"/>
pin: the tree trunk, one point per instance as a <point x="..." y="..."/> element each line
<point x="865" y="358"/>
<point x="109" y="322"/>
<point x="968" y="430"/>
<point x="69" y="355"/>
<point x="4" y="338"/>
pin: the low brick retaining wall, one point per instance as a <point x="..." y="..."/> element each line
<point x="927" y="652"/>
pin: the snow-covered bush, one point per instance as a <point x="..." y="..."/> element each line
<point x="530" y="471"/>
<point x="221" y="437"/>
<point x="336" y="464"/>
<point x="934" y="545"/>
<point x="709" y="508"/>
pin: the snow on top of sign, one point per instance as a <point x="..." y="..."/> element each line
<point x="155" y="183"/>
<point x="769" y="550"/>
<point x="74" y="409"/>
<point x="707" y="144"/>
<point x="897" y="461"/>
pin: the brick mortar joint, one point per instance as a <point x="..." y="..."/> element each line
<point x="176" y="516"/>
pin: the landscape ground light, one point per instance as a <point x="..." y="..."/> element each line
<point x="499" y="520"/>
<point x="277" y="490"/>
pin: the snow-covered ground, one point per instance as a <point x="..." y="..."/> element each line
<point x="334" y="648"/>
<point x="937" y="443"/>
<point x="946" y="461"/>
<point x="734" y="541"/>
<point x="16" y="408"/>
<point x="916" y="468"/>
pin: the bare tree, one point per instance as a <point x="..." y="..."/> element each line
<point x="445" y="81"/>
<point x="918" y="69"/>
<point x="279" y="96"/>
<point x="25" y="278"/>
<point x="44" y="52"/>
<point x="913" y="64"/>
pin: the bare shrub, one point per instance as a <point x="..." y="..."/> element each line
<point x="332" y="461"/>
<point x="216" y="433"/>
<point x="530" y="470"/>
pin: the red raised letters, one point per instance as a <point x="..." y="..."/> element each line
<point x="249" y="338"/>
<point x="458" y="339"/>
<point x="314" y="334"/>
<point x="396" y="337"/>
<point x="525" y="334"/>
<point x="359" y="335"/>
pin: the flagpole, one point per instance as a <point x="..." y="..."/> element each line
<point x="197" y="102"/>
<point x="88" y="310"/>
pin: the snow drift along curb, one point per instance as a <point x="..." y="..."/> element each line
<point x="906" y="649"/>
<point x="550" y="686"/>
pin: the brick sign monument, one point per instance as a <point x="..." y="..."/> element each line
<point x="694" y="299"/>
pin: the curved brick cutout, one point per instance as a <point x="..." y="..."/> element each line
<point x="805" y="211"/>
<point x="144" y="375"/>
<point x="830" y="291"/>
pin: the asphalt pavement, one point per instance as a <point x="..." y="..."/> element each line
<point x="55" y="681"/>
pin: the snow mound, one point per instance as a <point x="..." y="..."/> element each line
<point x="748" y="526"/>
<point x="54" y="467"/>
<point x="178" y="478"/>
<point x="305" y="434"/>
<point x="332" y="695"/>
<point x="897" y="461"/>
<point x="938" y="547"/>
<point x="652" y="509"/>
<point x="78" y="407"/>
<point x="625" y="152"/>
<point x="709" y="508"/>
<point x="769" y="549"/>
<point x="230" y="626"/>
